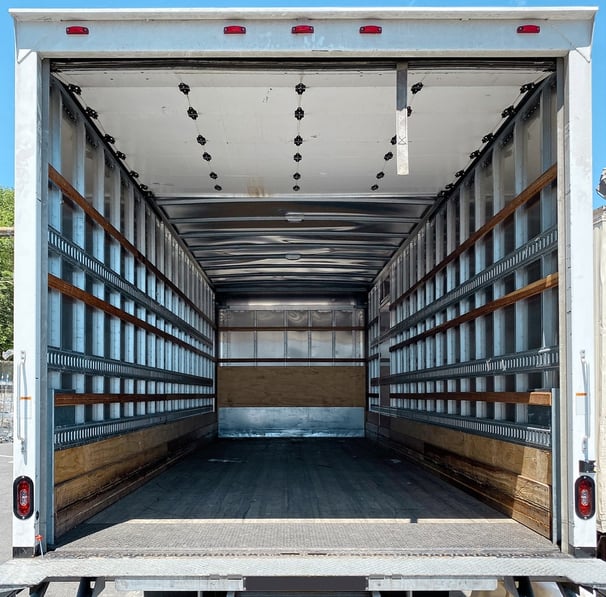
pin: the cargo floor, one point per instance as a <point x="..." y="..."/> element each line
<point x="299" y="497"/>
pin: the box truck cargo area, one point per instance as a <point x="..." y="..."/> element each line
<point x="304" y="300"/>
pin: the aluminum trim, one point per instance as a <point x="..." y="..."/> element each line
<point x="76" y="435"/>
<point x="506" y="364"/>
<point x="538" y="437"/>
<point x="65" y="361"/>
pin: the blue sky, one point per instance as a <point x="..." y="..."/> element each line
<point x="7" y="55"/>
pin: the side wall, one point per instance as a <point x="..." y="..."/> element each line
<point x="131" y="325"/>
<point x="463" y="341"/>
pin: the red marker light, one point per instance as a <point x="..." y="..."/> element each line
<point x="371" y="29"/>
<point x="529" y="29"/>
<point x="299" y="29"/>
<point x="23" y="497"/>
<point x="76" y="30"/>
<point x="584" y="490"/>
<point x="234" y="30"/>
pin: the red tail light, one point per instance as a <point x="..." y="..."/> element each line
<point x="76" y="30"/>
<point x="529" y="29"/>
<point x="298" y="29"/>
<point x="584" y="497"/>
<point x="234" y="30"/>
<point x="371" y="29"/>
<point x="23" y="497"/>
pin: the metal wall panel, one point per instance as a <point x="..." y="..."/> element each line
<point x="291" y="422"/>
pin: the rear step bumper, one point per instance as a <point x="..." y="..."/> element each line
<point x="341" y="573"/>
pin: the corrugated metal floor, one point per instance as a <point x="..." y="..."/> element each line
<point x="300" y="497"/>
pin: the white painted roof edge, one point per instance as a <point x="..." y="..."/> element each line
<point x="275" y="13"/>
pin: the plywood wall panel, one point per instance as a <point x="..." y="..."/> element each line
<point x="291" y="386"/>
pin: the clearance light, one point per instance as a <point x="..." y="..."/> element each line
<point x="302" y="29"/>
<point x="76" y="30"/>
<point x="234" y="30"/>
<point x="23" y="497"/>
<point x="371" y="30"/>
<point x="529" y="29"/>
<point x="584" y="491"/>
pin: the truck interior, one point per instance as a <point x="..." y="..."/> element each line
<point x="234" y="253"/>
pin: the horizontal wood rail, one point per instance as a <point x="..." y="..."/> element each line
<point x="535" y="398"/>
<point x="74" y="399"/>
<point x="292" y="360"/>
<point x="76" y="293"/>
<point x="74" y="196"/>
<point x="269" y="328"/>
<point x="531" y="290"/>
<point x="526" y="195"/>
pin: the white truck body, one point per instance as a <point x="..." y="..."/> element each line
<point x="305" y="223"/>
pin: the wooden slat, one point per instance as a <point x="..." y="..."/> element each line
<point x="530" y="398"/>
<point x="74" y="399"/>
<point x="550" y="281"/>
<point x="91" y="300"/>
<point x="532" y="463"/>
<point x="88" y="484"/>
<point x="526" y="195"/>
<point x="73" y="195"/>
<point x="291" y="386"/>
<point x="81" y="460"/>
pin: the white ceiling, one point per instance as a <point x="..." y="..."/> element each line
<point x="247" y="117"/>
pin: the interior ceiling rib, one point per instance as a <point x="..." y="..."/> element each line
<point x="283" y="180"/>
